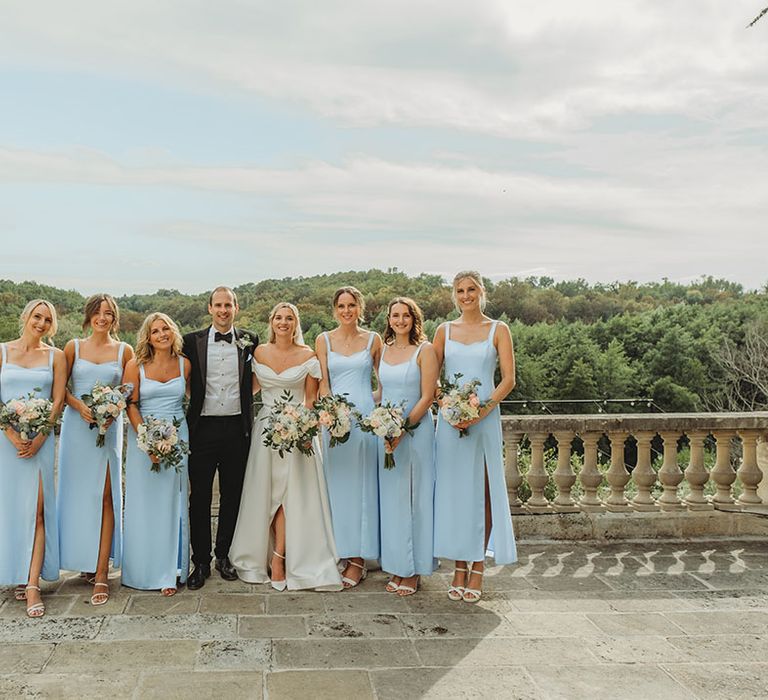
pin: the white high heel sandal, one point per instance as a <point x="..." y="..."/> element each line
<point x="278" y="585"/>
<point x="456" y="593"/>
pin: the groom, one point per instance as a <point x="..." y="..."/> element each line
<point x="219" y="419"/>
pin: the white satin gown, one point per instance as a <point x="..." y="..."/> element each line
<point x="294" y="481"/>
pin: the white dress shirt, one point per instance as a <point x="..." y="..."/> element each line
<point x="222" y="381"/>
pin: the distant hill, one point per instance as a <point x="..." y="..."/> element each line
<point x="573" y="340"/>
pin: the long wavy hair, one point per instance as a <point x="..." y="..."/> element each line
<point x="27" y="312"/>
<point x="92" y="307"/>
<point x="144" y="351"/>
<point x="416" y="336"/>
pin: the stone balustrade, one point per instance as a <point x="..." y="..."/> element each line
<point x="601" y="480"/>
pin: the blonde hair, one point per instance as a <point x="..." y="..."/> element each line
<point x="92" y="307"/>
<point x="30" y="307"/>
<point x="297" y="327"/>
<point x="477" y="279"/>
<point x="144" y="350"/>
<point x="416" y="334"/>
<point x="355" y="293"/>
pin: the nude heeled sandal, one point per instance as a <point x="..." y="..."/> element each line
<point x="456" y="593"/>
<point x="36" y="609"/>
<point x="100" y="598"/>
<point x="350" y="582"/>
<point x="472" y="595"/>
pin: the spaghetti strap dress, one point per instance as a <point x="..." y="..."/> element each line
<point x="20" y="483"/>
<point x="156" y="521"/>
<point x="461" y="464"/>
<point x="83" y="470"/>
<point x="351" y="468"/>
<point x="406" y="492"/>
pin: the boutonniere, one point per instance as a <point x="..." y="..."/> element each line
<point x="243" y="342"/>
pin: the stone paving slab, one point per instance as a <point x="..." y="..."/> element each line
<point x="598" y="620"/>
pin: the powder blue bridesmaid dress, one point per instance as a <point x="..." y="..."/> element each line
<point x="20" y="480"/>
<point x="82" y="471"/>
<point x="460" y="462"/>
<point x="406" y="493"/>
<point x="351" y="468"/>
<point x="156" y="523"/>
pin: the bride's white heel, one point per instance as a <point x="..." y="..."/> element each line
<point x="278" y="585"/>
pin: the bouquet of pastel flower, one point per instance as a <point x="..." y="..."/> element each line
<point x="290" y="425"/>
<point x="28" y="415"/>
<point x="159" y="438"/>
<point x="335" y="415"/>
<point x="460" y="402"/>
<point x="106" y="404"/>
<point x="388" y="421"/>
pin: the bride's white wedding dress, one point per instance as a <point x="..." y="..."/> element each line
<point x="294" y="481"/>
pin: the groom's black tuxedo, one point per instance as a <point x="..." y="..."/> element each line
<point x="217" y="442"/>
<point x="196" y="349"/>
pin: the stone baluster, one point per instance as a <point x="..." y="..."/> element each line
<point x="590" y="475"/>
<point x="617" y="475"/>
<point x="643" y="475"/>
<point x="564" y="476"/>
<point x="749" y="472"/>
<point x="512" y="471"/>
<point x="696" y="473"/>
<point x="537" y="476"/>
<point x="723" y="473"/>
<point x="670" y="474"/>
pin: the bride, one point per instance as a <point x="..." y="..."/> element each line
<point x="284" y="523"/>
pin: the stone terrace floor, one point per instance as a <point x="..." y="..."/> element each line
<point x="621" y="620"/>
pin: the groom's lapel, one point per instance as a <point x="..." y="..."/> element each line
<point x="240" y="357"/>
<point x="202" y="352"/>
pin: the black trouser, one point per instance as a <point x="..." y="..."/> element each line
<point x="218" y="443"/>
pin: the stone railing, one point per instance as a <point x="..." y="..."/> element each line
<point x="611" y="487"/>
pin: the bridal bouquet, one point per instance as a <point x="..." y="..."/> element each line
<point x="159" y="437"/>
<point x="28" y="415"/>
<point x="106" y="404"/>
<point x="388" y="421"/>
<point x="460" y="402"/>
<point x="290" y="425"/>
<point x="335" y="415"/>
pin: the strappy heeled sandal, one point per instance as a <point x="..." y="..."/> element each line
<point x="100" y="598"/>
<point x="404" y="591"/>
<point x="391" y="586"/>
<point x="472" y="595"/>
<point x="88" y="577"/>
<point x="350" y="582"/>
<point x="456" y="593"/>
<point x="20" y="592"/>
<point x="278" y="585"/>
<point x="36" y="609"/>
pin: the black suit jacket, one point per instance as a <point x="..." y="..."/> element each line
<point x="196" y="349"/>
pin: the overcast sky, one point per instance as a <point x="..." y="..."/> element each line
<point x="187" y="143"/>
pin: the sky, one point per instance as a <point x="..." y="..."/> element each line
<point x="184" y="144"/>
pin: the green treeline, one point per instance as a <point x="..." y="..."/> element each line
<point x="573" y="340"/>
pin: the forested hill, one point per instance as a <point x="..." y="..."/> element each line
<point x="679" y="344"/>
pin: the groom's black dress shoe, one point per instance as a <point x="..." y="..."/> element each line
<point x="225" y="568"/>
<point x="197" y="577"/>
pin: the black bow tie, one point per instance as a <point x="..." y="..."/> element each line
<point x="226" y="337"/>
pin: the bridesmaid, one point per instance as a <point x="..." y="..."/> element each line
<point x="408" y="373"/>
<point x="471" y="504"/>
<point x="29" y="543"/>
<point x="347" y="357"/>
<point x="90" y="496"/>
<point x="156" y="521"/>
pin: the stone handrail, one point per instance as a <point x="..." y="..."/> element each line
<point x="750" y="428"/>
